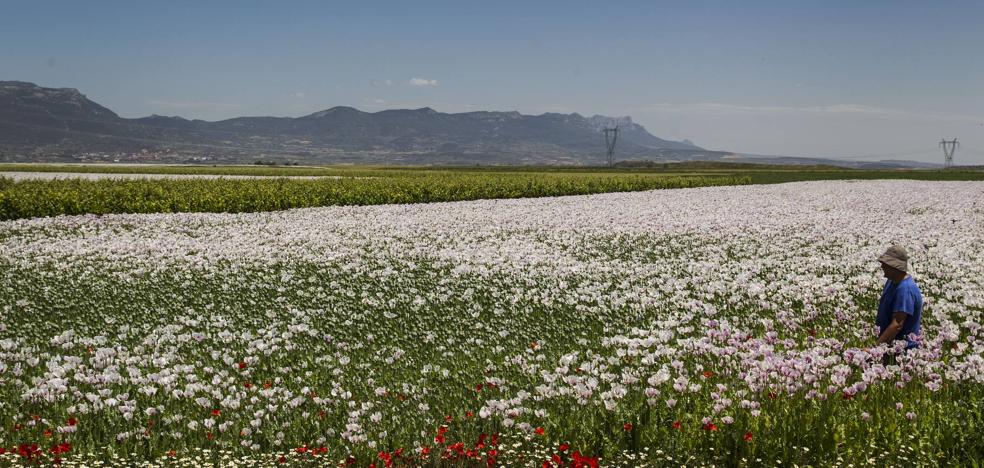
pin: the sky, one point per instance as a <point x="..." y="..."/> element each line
<point x="864" y="80"/>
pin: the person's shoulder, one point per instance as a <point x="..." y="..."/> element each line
<point x="909" y="283"/>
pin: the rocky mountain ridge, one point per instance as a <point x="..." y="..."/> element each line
<point x="38" y="122"/>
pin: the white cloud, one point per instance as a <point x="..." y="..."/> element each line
<point x="422" y="82"/>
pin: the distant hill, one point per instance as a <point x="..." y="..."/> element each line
<point x="40" y="123"/>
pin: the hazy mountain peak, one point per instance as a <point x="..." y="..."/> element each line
<point x="337" y="110"/>
<point x="31" y="98"/>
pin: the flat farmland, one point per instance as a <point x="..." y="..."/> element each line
<point x="714" y="325"/>
<point x="26" y="175"/>
<point x="73" y="190"/>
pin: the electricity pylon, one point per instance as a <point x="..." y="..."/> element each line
<point x="949" y="147"/>
<point x="611" y="136"/>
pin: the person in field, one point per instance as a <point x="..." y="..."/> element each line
<point x="900" y="306"/>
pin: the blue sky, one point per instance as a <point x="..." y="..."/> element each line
<point x="861" y="79"/>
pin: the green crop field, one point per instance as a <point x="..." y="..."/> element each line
<point x="274" y="189"/>
<point x="32" y="198"/>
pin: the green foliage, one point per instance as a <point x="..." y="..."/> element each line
<point x="36" y="198"/>
<point x="372" y="185"/>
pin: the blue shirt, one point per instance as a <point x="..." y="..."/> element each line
<point x="904" y="297"/>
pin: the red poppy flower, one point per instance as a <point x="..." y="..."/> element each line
<point x="282" y="460"/>
<point x="627" y="427"/>
<point x="563" y="447"/>
<point x="478" y="388"/>
<point x="580" y="461"/>
<point x="216" y="413"/>
<point x="242" y="365"/>
<point x="171" y="453"/>
<point x="72" y="421"/>
<point x="439" y="439"/>
<point x="63" y="447"/>
<point x="29" y="451"/>
<point x="676" y="424"/>
<point x="469" y="414"/>
<point x="425" y="451"/>
<point x="710" y="427"/>
<point x="539" y="431"/>
<point x="708" y="374"/>
<point x="748" y="437"/>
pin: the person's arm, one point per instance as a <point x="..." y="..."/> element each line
<point x="893" y="328"/>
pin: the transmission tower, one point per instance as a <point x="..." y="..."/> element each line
<point x="949" y="147"/>
<point x="611" y="136"/>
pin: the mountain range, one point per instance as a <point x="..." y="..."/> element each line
<point x="40" y="124"/>
<point x="58" y="123"/>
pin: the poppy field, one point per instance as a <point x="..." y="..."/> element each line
<point x="715" y="325"/>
